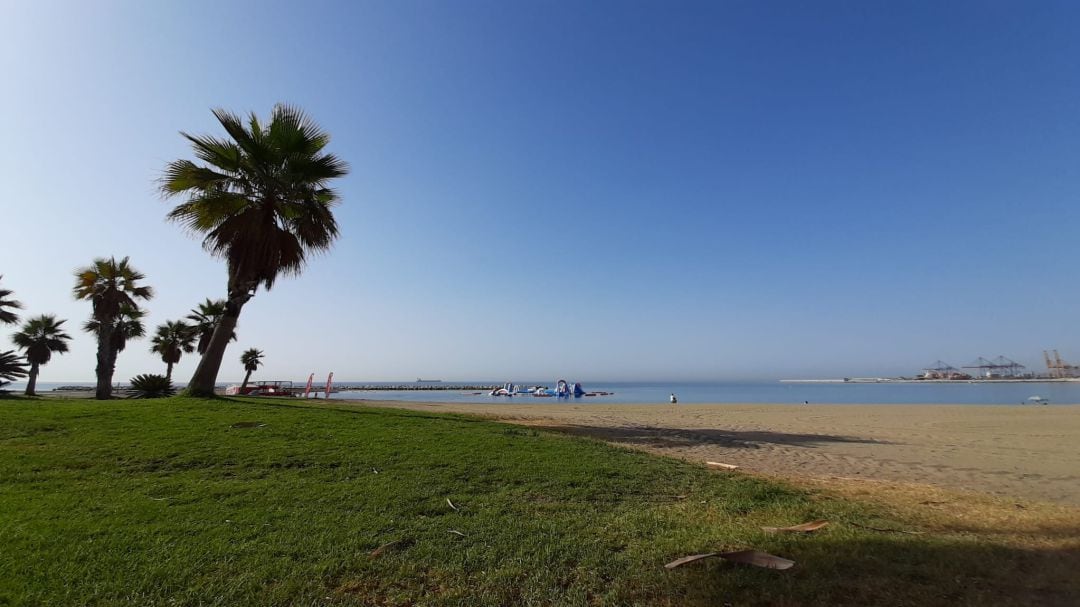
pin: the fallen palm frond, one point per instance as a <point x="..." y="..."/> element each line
<point x="746" y="557"/>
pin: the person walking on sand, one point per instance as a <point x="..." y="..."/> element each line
<point x="673" y="399"/>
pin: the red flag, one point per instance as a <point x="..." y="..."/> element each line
<point x="329" y="380"/>
<point x="307" y="390"/>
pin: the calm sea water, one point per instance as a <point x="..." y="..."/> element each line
<point x="731" y="392"/>
<point x="763" y="392"/>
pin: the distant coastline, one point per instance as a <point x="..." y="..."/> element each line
<point x="905" y="380"/>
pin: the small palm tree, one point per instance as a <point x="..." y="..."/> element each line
<point x="252" y="360"/>
<point x="110" y="286"/>
<point x="7" y="317"/>
<point x="171" y="341"/>
<point x="206" y="316"/>
<point x="261" y="200"/>
<point x="39" y="338"/>
<point x="12" y="367"/>
<point x="151" y="386"/>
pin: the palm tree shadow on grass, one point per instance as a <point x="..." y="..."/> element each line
<point x="660" y="437"/>
<point x="889" y="570"/>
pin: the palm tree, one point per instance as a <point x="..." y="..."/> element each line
<point x="171" y="340"/>
<point x="8" y="317"/>
<point x="252" y="360"/>
<point x="111" y="286"/>
<point x="261" y="201"/>
<point x="128" y="325"/>
<point x="12" y="367"/>
<point x="206" y="316"/>
<point x="39" y="338"/>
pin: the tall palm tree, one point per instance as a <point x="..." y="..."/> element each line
<point x="129" y="325"/>
<point x="171" y="341"/>
<point x="110" y="286"/>
<point x="12" y="367"/>
<point x="206" y="316"/>
<point x="7" y="317"/>
<point x="261" y="201"/>
<point x="252" y="360"/>
<point x="39" y="338"/>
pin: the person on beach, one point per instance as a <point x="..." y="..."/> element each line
<point x="673" y="399"/>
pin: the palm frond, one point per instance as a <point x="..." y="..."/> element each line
<point x="12" y="366"/>
<point x="263" y="201"/>
<point x="172" y="339"/>
<point x="8" y="317"/>
<point x="40" y="337"/>
<point x="252" y="359"/>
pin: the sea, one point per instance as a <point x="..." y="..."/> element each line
<point x="765" y="392"/>
<point x="770" y="392"/>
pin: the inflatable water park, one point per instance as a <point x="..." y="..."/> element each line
<point x="563" y="389"/>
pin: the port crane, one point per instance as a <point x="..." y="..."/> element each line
<point x="1057" y="367"/>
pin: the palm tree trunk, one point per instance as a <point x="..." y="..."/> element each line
<point x="104" y="368"/>
<point x="31" y="381"/>
<point x="205" y="378"/>
<point x="168" y="371"/>
<point x="246" y="378"/>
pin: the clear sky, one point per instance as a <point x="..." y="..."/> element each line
<point x="604" y="191"/>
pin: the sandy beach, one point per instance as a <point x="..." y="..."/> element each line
<point x="1024" y="451"/>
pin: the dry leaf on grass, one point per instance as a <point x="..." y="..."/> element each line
<point x="689" y="559"/>
<point x="722" y="465"/>
<point x="451" y="504"/>
<point x="381" y="549"/>
<point x="746" y="557"/>
<point x="455" y="532"/>
<point x="803" y="528"/>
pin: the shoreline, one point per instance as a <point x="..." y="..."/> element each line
<point x="1026" y="452"/>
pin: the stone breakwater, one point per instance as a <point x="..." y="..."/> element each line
<point x="423" y="387"/>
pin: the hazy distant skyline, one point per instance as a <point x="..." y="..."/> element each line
<point x="602" y="190"/>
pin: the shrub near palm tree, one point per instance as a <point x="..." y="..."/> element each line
<point x="261" y="200"/>
<point x="252" y="360"/>
<point x="39" y="338"/>
<point x="206" y="316"/>
<point x="8" y="317"/>
<point x="110" y="286"/>
<point x="171" y="340"/>
<point x="151" y="386"/>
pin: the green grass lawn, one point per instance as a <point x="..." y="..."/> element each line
<point x="186" y="502"/>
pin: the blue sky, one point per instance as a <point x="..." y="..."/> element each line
<point x="608" y="191"/>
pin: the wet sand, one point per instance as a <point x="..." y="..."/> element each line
<point x="1017" y="451"/>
